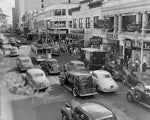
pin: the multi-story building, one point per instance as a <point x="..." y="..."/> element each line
<point x="56" y="21"/>
<point x="117" y="24"/>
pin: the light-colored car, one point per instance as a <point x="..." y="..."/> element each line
<point x="104" y="82"/>
<point x="14" y="51"/>
<point x="74" y="65"/>
<point x="24" y="63"/>
<point x="36" y="78"/>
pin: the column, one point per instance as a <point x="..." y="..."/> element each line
<point x="138" y="17"/>
<point x="144" y="19"/>
<point x="115" y="23"/>
<point x="119" y="23"/>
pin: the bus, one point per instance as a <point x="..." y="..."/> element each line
<point x="41" y="52"/>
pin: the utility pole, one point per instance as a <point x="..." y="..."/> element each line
<point x="141" y="65"/>
<point x="59" y="30"/>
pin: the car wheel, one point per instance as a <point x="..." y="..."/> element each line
<point x="129" y="97"/>
<point x="64" y="117"/>
<point x="74" y="92"/>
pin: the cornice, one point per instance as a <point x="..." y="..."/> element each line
<point x="130" y="5"/>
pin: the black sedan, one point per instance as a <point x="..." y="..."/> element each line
<point x="135" y="78"/>
<point x="116" y="70"/>
<point x="50" y="66"/>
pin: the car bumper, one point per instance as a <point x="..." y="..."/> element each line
<point x="88" y="94"/>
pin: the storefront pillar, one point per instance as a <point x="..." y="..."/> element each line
<point x="138" y="17"/>
<point x="115" y="23"/>
<point x="119" y="23"/>
<point x="145" y="20"/>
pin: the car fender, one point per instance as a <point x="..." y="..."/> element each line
<point x="67" y="112"/>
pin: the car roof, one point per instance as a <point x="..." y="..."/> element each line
<point x="96" y="110"/>
<point x="76" y="62"/>
<point x="24" y="58"/>
<point x="35" y="70"/>
<point x="52" y="59"/>
<point x="79" y="73"/>
<point x="101" y="72"/>
<point x="93" y="50"/>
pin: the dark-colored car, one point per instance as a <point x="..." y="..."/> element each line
<point x="74" y="65"/>
<point x="86" y="111"/>
<point x="134" y="78"/>
<point x="50" y="66"/>
<point x="140" y="93"/>
<point x="55" y="50"/>
<point x="116" y="70"/>
<point x="79" y="83"/>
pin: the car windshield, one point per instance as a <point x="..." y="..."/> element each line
<point x="146" y="79"/>
<point x="80" y="66"/>
<point x="25" y="60"/>
<point x="85" y="78"/>
<point x="38" y="75"/>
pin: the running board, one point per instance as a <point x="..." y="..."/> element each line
<point x="144" y="104"/>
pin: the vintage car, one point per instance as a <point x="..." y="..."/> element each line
<point x="134" y="78"/>
<point x="36" y="78"/>
<point x="24" y="63"/>
<point x="79" y="83"/>
<point x="116" y="70"/>
<point x="14" y="51"/>
<point x="104" y="82"/>
<point x="74" y="65"/>
<point x="55" y="50"/>
<point x="140" y="93"/>
<point x="86" y="111"/>
<point x="50" y="66"/>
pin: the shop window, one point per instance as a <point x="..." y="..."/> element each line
<point x="88" y="22"/>
<point x="62" y="23"/>
<point x="80" y="22"/>
<point x="111" y="22"/>
<point x="57" y="12"/>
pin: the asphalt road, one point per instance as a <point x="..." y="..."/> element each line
<point x="46" y="106"/>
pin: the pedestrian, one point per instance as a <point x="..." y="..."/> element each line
<point x="121" y="61"/>
<point x="144" y="67"/>
<point x="137" y="64"/>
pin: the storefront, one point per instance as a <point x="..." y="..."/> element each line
<point x="76" y="37"/>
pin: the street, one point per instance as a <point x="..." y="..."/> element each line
<point x="47" y="106"/>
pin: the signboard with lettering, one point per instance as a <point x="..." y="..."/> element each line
<point x="77" y="31"/>
<point x="133" y="27"/>
<point x="95" y="40"/>
<point x="111" y="36"/>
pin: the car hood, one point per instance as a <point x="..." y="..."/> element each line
<point x="41" y="80"/>
<point x="107" y="82"/>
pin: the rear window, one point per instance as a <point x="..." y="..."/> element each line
<point x="26" y="60"/>
<point x="38" y="75"/>
<point x="86" y="78"/>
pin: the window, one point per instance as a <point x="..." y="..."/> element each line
<point x="63" y="12"/>
<point x="42" y="6"/>
<point x="74" y="23"/>
<point x="80" y="22"/>
<point x="70" y="24"/>
<point x="95" y="21"/>
<point x="88" y="22"/>
<point x="57" y="12"/>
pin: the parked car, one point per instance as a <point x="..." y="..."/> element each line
<point x="50" y="66"/>
<point x="74" y="65"/>
<point x="24" y="63"/>
<point x="116" y="70"/>
<point x="14" y="51"/>
<point x="36" y="78"/>
<point x="55" y="50"/>
<point x="23" y="41"/>
<point x="86" y="111"/>
<point x="134" y="78"/>
<point x="104" y="82"/>
<point x="140" y="93"/>
<point x="79" y="83"/>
